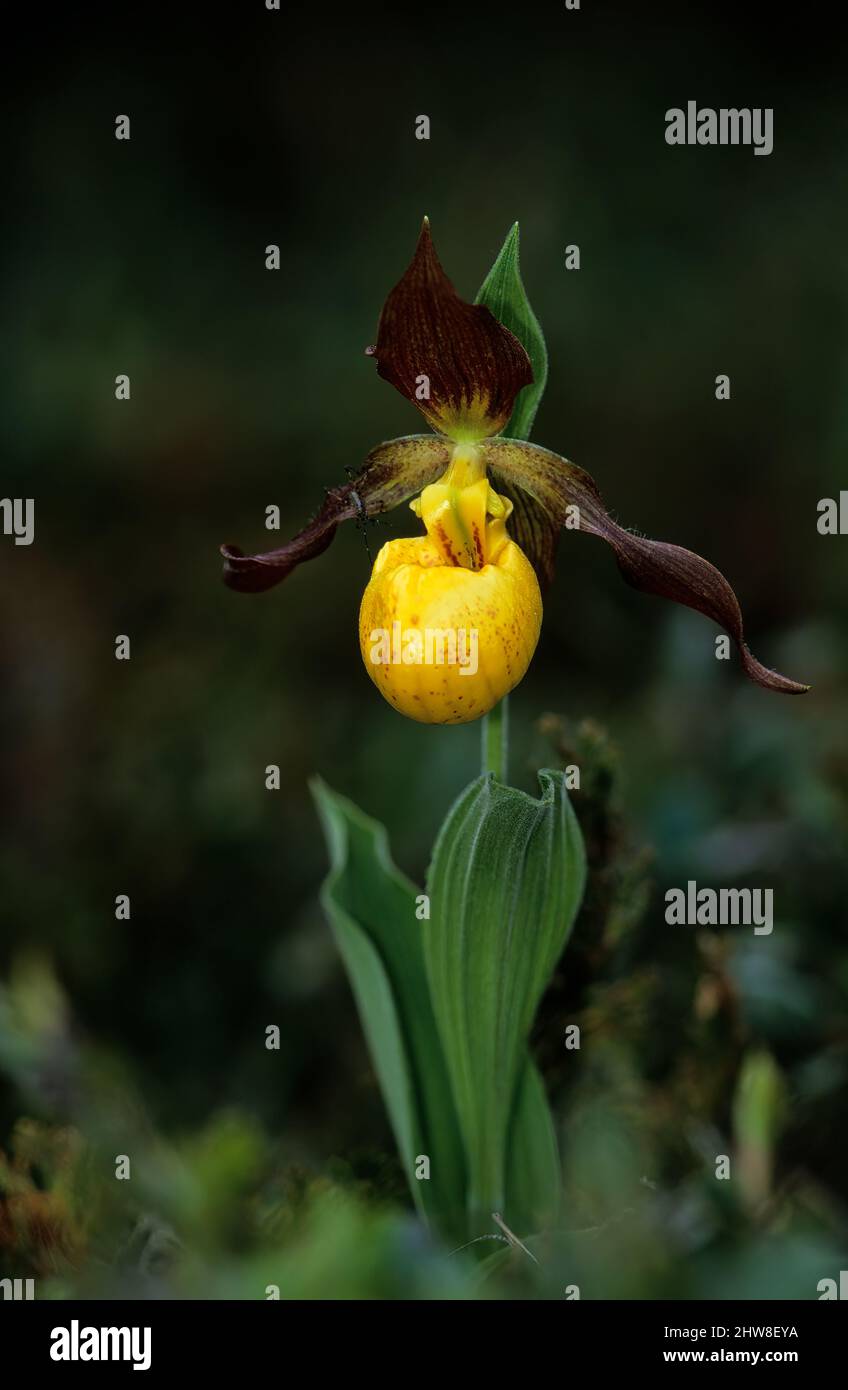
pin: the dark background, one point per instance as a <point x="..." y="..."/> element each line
<point x="250" y="388"/>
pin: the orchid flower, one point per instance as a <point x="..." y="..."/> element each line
<point x="450" y="619"/>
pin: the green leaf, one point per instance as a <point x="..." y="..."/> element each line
<point x="505" y="883"/>
<point x="504" y="294"/>
<point x="533" y="1178"/>
<point x="371" y="907"/>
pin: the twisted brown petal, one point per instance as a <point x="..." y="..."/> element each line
<point x="552" y="485"/>
<point x="393" y="472"/>
<point x="533" y="529"/>
<point x="454" y="361"/>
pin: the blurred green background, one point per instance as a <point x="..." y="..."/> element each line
<point x="250" y="388"/>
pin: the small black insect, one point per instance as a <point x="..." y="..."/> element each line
<point x="363" y="520"/>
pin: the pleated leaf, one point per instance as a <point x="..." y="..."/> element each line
<point x="505" y="883"/>
<point x="371" y="908"/>
<point x="533" y="1178"/>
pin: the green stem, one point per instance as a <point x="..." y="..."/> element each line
<point x="495" y="750"/>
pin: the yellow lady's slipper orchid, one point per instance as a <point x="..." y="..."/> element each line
<point x="492" y="509"/>
<point x="449" y="621"/>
